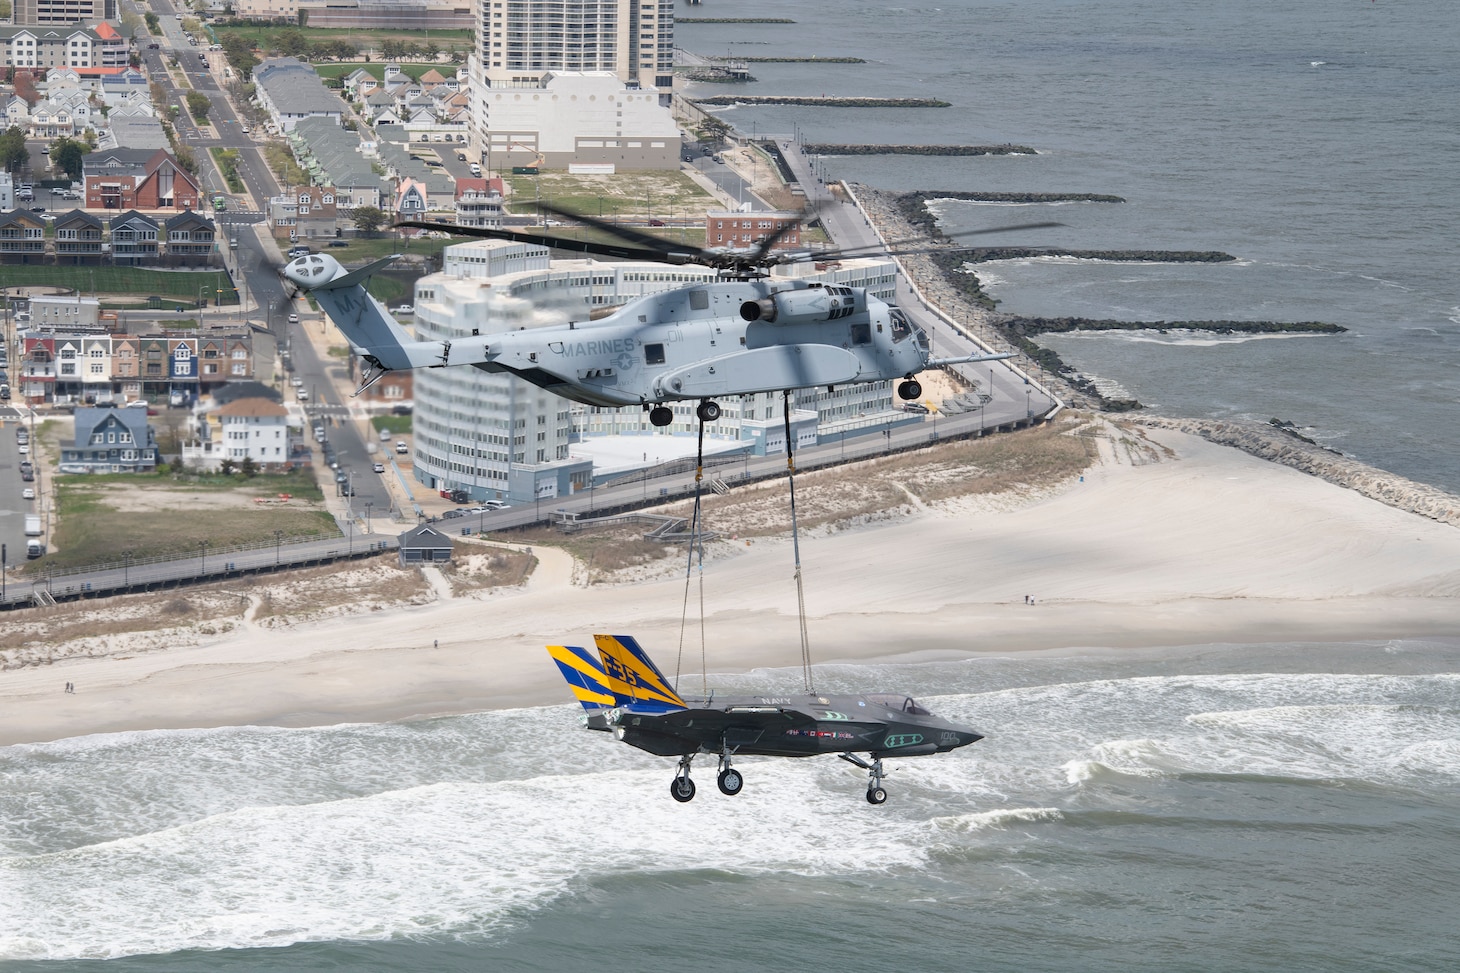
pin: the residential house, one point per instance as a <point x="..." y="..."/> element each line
<point x="78" y="238"/>
<point x="110" y="441"/>
<point x="479" y="203"/>
<point x="255" y="429"/>
<point x="304" y="214"/>
<point x="289" y="91"/>
<point x="22" y="237"/>
<point x="411" y="201"/>
<point x="134" y="239"/>
<point x="37" y="366"/>
<point x="190" y="239"/>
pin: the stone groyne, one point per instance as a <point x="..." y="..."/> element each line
<point x="733" y="20"/>
<point x="1277" y="443"/>
<point x="813" y="59"/>
<point x="1033" y="326"/>
<point x="977" y="255"/>
<point x="834" y="148"/>
<point x="823" y="101"/>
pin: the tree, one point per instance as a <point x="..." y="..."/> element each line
<point x="198" y="105"/>
<point x="226" y="467"/>
<point x="66" y="155"/>
<point x="368" y="219"/>
<point x="13" y="153"/>
<point x="248" y="467"/>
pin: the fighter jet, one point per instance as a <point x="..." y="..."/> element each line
<point x="624" y="693"/>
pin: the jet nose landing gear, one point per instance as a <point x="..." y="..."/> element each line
<point x="876" y="793"/>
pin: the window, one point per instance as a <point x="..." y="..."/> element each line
<point x="654" y="354"/>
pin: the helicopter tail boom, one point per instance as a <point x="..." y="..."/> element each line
<point x="363" y="320"/>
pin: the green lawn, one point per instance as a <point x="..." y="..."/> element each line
<point x="170" y="284"/>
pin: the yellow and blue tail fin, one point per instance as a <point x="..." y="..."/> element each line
<point x="585" y="675"/>
<point x="633" y="678"/>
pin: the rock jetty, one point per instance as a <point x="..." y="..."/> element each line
<point x="1035" y="326"/>
<point x="985" y="254"/>
<point x="823" y="101"/>
<point x="834" y="148"/>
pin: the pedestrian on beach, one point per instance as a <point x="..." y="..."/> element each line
<point x="435" y="643"/>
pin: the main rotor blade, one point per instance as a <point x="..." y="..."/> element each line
<point x="622" y="232"/>
<point x="875" y="249"/>
<point x="556" y="242"/>
<point x="765" y="245"/>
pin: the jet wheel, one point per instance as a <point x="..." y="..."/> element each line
<point x="730" y="782"/>
<point x="708" y="411"/>
<point x="909" y="390"/>
<point x="661" y="415"/>
<point x="875" y="795"/>
<point x="682" y="789"/>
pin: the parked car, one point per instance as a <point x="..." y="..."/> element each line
<point x="379" y="467"/>
<point x="28" y="493"/>
<point x="405" y="309"/>
<point x="385" y="435"/>
<point x="302" y="394"/>
<point x="298" y="252"/>
<point x="293" y="319"/>
<point x="401" y="447"/>
<point x="339" y="243"/>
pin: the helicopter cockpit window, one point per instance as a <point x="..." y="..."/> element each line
<point x="901" y="328"/>
<point x="699" y="300"/>
<point x="861" y="334"/>
<point x="654" y="353"/>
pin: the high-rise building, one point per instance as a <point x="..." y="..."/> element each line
<point x="48" y="12"/>
<point x="520" y="40"/>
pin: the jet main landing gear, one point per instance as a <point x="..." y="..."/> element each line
<point x="730" y="780"/>
<point x="682" y="789"/>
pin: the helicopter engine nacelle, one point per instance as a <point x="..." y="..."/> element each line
<point x="811" y="304"/>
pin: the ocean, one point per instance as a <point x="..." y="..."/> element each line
<point x="1203" y="808"/>
<point x="1314" y="141"/>
<point x="1211" y="808"/>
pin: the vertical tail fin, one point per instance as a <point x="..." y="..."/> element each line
<point x="585" y="675"/>
<point x="632" y="676"/>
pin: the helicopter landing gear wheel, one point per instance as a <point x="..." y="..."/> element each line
<point x="909" y="390"/>
<point x="661" y="415"/>
<point x="730" y="782"/>
<point x="708" y="411"/>
<point x="876" y="795"/>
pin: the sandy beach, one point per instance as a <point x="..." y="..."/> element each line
<point x="1170" y="541"/>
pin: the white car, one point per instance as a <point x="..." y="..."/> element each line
<point x="379" y="467"/>
<point x="23" y="449"/>
<point x="302" y="395"/>
<point x="405" y="309"/>
<point x="293" y="319"/>
<point x="28" y="493"/>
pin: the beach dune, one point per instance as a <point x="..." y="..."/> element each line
<point x="1184" y="543"/>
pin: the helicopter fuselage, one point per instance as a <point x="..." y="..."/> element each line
<point x="711" y="340"/>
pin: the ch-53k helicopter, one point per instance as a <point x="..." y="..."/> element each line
<point x="624" y="693"/>
<point x="741" y="334"/>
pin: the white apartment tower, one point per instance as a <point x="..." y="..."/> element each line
<point x="520" y="40"/>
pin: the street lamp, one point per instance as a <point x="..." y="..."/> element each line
<point x="368" y="505"/>
<point x="127" y="569"/>
<point x="202" y="558"/>
<point x="278" y="536"/>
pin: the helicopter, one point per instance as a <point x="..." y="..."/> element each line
<point x="740" y="334"/>
<point x="623" y="692"/>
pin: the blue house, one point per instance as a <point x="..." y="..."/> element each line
<point x="110" y="441"/>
